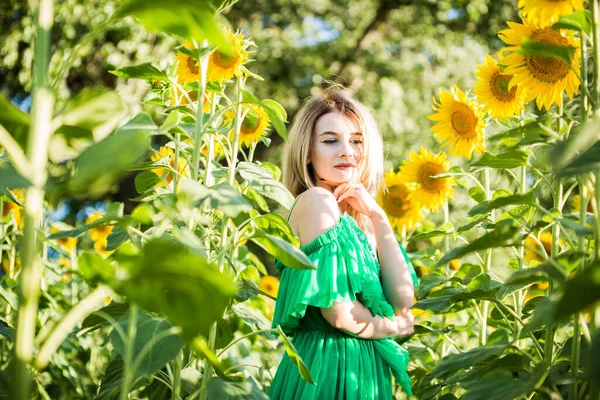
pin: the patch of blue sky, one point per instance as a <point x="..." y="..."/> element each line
<point x="60" y="213"/>
<point x="314" y="31"/>
<point x="89" y="209"/>
<point x="455" y="13"/>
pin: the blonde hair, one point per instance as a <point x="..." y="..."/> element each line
<point x="297" y="174"/>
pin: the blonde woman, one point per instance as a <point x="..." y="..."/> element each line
<point x="344" y="315"/>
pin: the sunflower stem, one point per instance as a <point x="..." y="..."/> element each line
<point x="39" y="135"/>
<point x="199" y="126"/>
<point x="488" y="261"/>
<point x="596" y="53"/>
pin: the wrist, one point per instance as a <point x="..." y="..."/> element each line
<point x="376" y="214"/>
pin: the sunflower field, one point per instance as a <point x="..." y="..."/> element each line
<point x="169" y="293"/>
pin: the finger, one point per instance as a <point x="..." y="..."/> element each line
<point x="339" y="190"/>
<point x="346" y="195"/>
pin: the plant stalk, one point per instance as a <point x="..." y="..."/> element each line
<point x="39" y="135"/>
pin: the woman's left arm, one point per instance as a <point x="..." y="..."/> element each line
<point x="395" y="277"/>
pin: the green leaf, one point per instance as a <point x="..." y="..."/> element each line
<point x="580" y="292"/>
<point x="113" y="214"/>
<point x="99" y="166"/>
<point x="577" y="21"/>
<point x="143" y="214"/>
<point x="223" y="197"/>
<point x="251" y="316"/>
<point x="429" y="282"/>
<point x="431" y="234"/>
<point x="201" y="348"/>
<point x="506" y="234"/>
<point x="578" y="143"/>
<point x="145" y="181"/>
<point x="457" y="362"/>
<point x="542" y="316"/>
<point x="7" y="331"/>
<point x="150" y="333"/>
<point x="117" y="237"/>
<point x="190" y="378"/>
<point x="141" y="71"/>
<point x="261" y="179"/>
<point x="516" y="199"/>
<point x="15" y="121"/>
<point x="111" y="382"/>
<point x="226" y="388"/>
<point x="595" y="357"/>
<point x="95" y="269"/>
<point x="289" y="255"/>
<point x="294" y="357"/>
<point x="587" y="162"/>
<point x="512" y="158"/>
<point x="96" y="110"/>
<point x="499" y="385"/>
<point x="276" y="225"/>
<point x="11" y="179"/>
<point x="96" y="319"/>
<point x="193" y="19"/>
<point x="140" y="123"/>
<point x="168" y="277"/>
<point x="554" y="270"/>
<point x="562" y="53"/>
<point x="532" y="129"/>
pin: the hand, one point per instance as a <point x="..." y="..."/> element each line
<point x="357" y="197"/>
<point x="405" y="324"/>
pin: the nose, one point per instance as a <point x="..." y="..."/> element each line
<point x="346" y="150"/>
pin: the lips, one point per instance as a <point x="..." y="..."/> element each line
<point x="344" y="165"/>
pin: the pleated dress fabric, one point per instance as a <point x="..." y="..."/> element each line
<point x="342" y="366"/>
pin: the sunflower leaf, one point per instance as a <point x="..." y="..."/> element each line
<point x="141" y="71"/>
<point x="562" y="53"/>
<point x="509" y="159"/>
<point x="516" y="199"/>
<point x="577" y="21"/>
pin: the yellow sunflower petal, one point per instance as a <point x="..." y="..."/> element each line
<point x="544" y="13"/>
<point x="402" y="212"/>
<point x="222" y="67"/>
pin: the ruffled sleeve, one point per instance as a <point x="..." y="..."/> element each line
<point x="345" y="268"/>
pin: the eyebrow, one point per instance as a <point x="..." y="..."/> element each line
<point x="335" y="133"/>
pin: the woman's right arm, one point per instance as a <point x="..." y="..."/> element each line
<point x="356" y="319"/>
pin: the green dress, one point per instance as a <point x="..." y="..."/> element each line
<point x="343" y="366"/>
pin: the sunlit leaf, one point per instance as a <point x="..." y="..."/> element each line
<point x="288" y="254"/>
<point x="141" y="71"/>
<point x="512" y="158"/>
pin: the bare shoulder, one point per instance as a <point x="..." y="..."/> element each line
<point x="316" y="212"/>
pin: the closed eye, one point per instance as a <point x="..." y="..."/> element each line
<point x="329" y="141"/>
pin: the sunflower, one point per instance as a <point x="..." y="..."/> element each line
<point x="546" y="240"/>
<point x="492" y="90"/>
<point x="17" y="210"/>
<point x="100" y="247"/>
<point x="454" y="265"/>
<point x="577" y="202"/>
<point x="168" y="155"/>
<point x="460" y="123"/>
<point x="69" y="243"/>
<point x="269" y="284"/>
<point x="100" y="231"/>
<point x="254" y="124"/>
<point x="545" y="78"/>
<point x="430" y="192"/>
<point x="401" y="211"/>
<point x="544" y="13"/>
<point x="222" y="67"/>
<point x="188" y="69"/>
<point x="418" y="313"/>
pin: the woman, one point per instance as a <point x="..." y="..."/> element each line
<point x="344" y="314"/>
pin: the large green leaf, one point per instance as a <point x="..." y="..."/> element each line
<point x="505" y="234"/>
<point x="511" y="158"/>
<point x="578" y="142"/>
<point x="542" y="316"/>
<point x="112" y="380"/>
<point x="261" y="179"/>
<point x="168" y="277"/>
<point x="101" y="165"/>
<point x="192" y="19"/>
<point x="226" y="388"/>
<point x="94" y="110"/>
<point x="15" y="121"/>
<point x="141" y="122"/>
<point x="555" y="270"/>
<point x="141" y="71"/>
<point x="96" y="319"/>
<point x="580" y="292"/>
<point x="154" y="345"/>
<point x="516" y="199"/>
<point x="96" y="269"/>
<point x="276" y="225"/>
<point x="288" y="254"/>
<point x="499" y="385"/>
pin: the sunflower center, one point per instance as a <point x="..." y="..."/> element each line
<point x="464" y="121"/>
<point x="426" y="177"/>
<point x="499" y="85"/>
<point x="548" y="69"/>
<point x="397" y="203"/>
<point x="224" y="61"/>
<point x="193" y="66"/>
<point x="250" y="122"/>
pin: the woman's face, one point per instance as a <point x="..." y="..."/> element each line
<point x="336" y="149"/>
